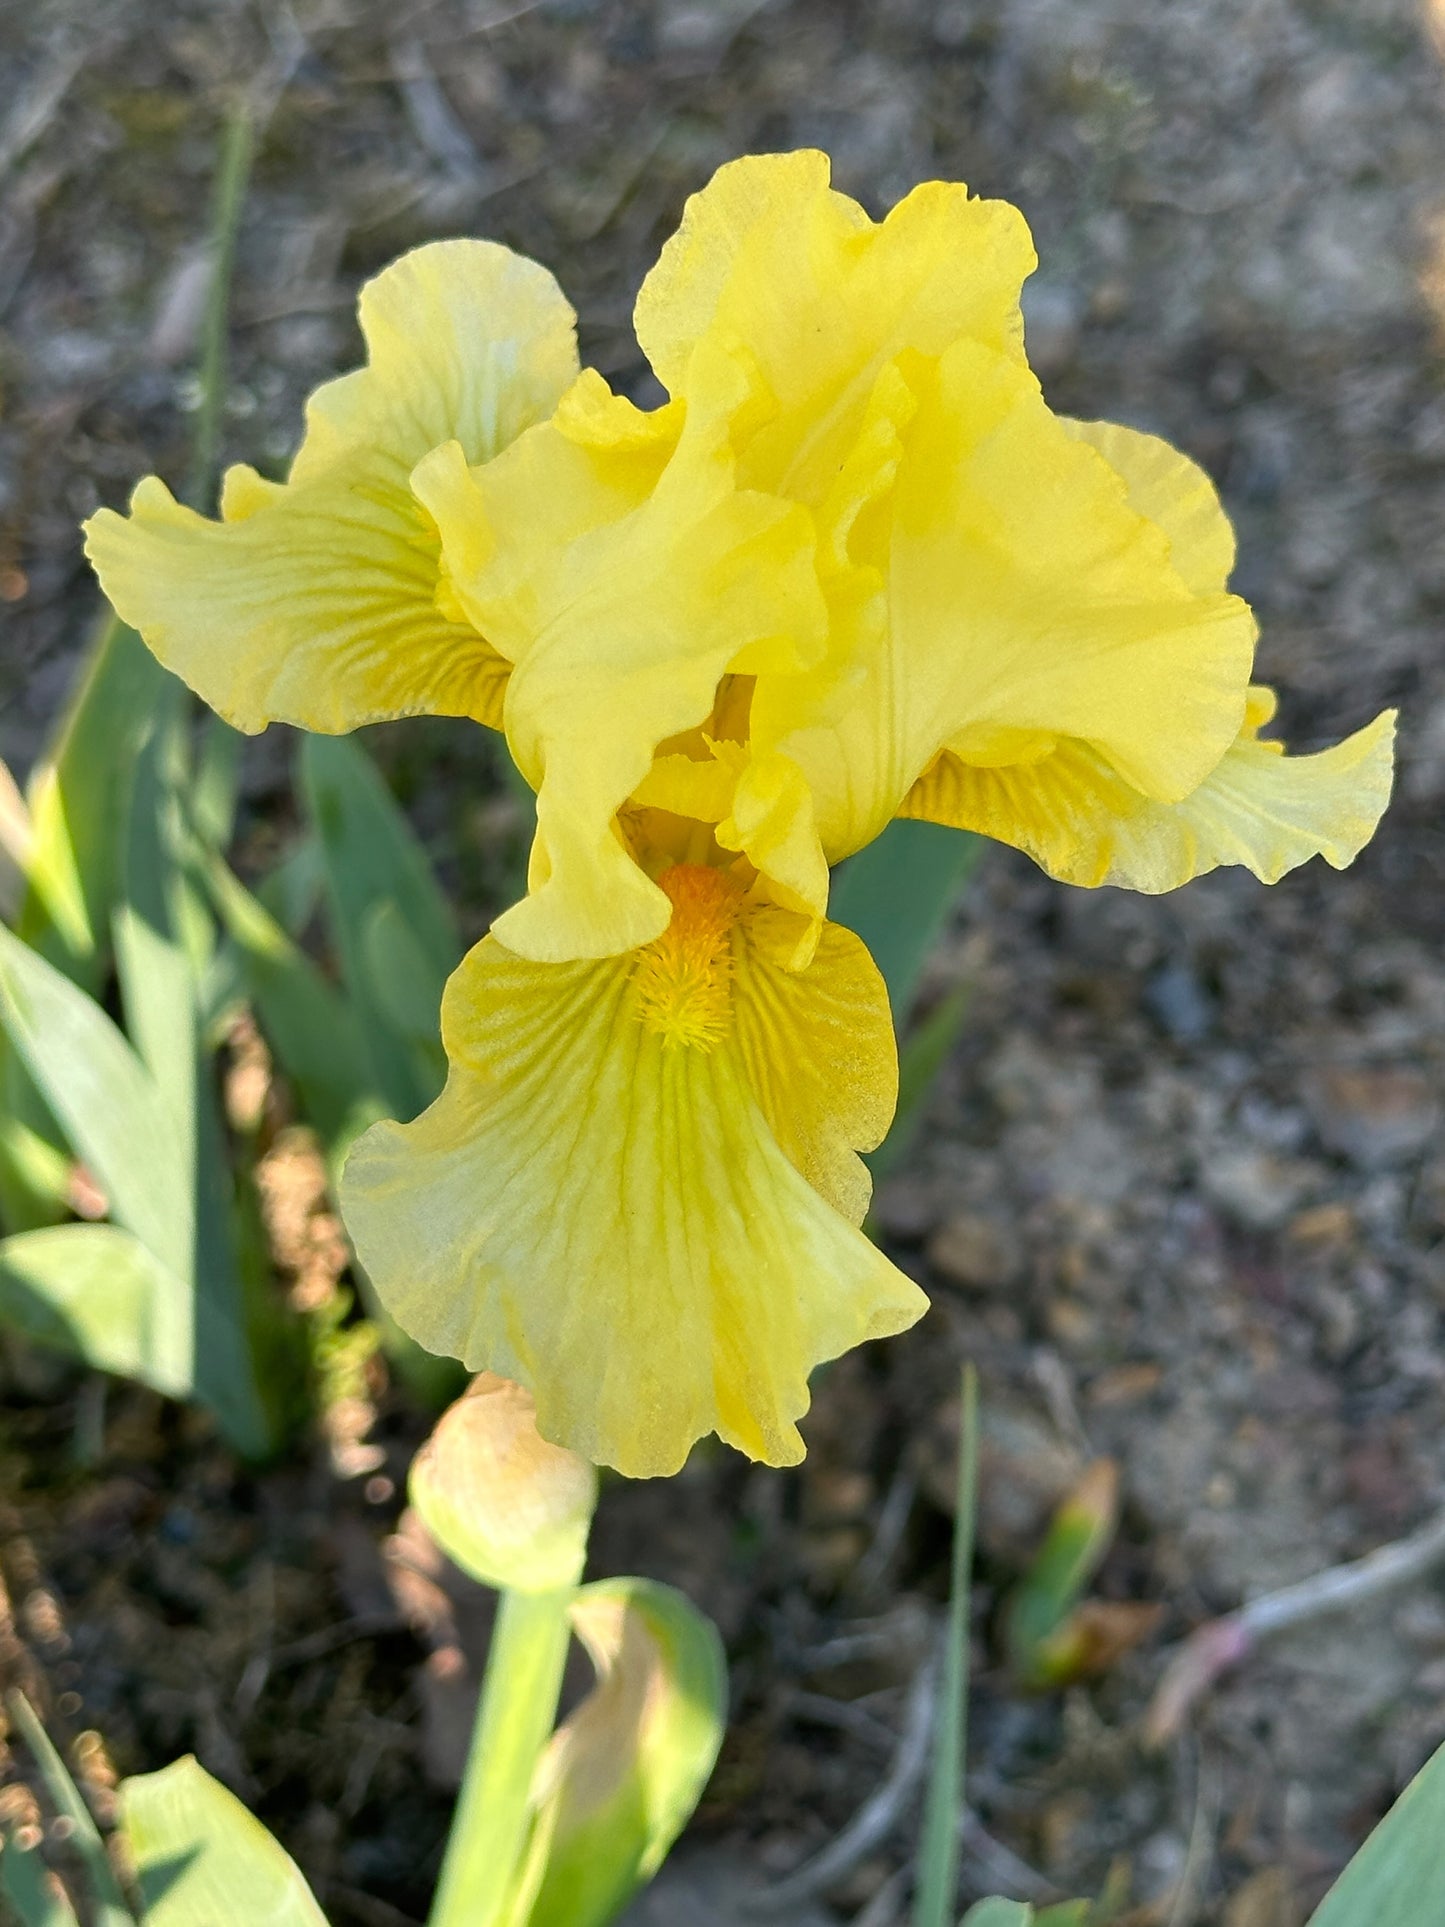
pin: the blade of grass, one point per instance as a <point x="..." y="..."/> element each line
<point x="26" y="1882"/>
<point x="74" y="796"/>
<point x="1038" y="1617"/>
<point x="215" y="785"/>
<point x="938" y="1843"/>
<point x="372" y="857"/>
<point x="227" y="197"/>
<point x="102" y="1095"/>
<point x="96" y="1293"/>
<point x="312" y="1028"/>
<point x="110" y="1909"/>
<point x="161" y="975"/>
<point x="291" y="892"/>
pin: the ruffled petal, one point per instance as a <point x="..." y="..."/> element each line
<point x="768" y="254"/>
<point x="1085" y="824"/>
<point x="818" y="1048"/>
<point x="465" y="341"/>
<point x="1026" y="600"/>
<point x="611" y="557"/>
<point x="700" y="788"/>
<point x="317" y="609"/>
<point x="1173" y="491"/>
<point x="771" y="820"/>
<point x="321" y="602"/>
<point x="606" y="1207"/>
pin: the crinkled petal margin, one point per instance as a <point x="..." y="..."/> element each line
<point x="1080" y="820"/>
<point x="610" y="1219"/>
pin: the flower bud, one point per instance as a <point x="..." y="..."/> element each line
<point x="504" y="1504"/>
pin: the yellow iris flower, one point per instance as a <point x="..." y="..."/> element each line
<point x="854" y="568"/>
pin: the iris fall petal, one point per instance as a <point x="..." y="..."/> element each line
<point x="611" y="1201"/>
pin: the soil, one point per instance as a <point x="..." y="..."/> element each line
<point x="1181" y="1188"/>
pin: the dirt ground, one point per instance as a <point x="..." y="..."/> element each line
<point x="1181" y="1191"/>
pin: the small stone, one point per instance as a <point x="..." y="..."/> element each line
<point x="1179" y="1003"/>
<point x="1265" y="1900"/>
<point x="1323" y="1226"/>
<point x="1071" y="1324"/>
<point x="1257" y="1189"/>
<point x="1375" y="1117"/>
<point x="971" y="1251"/>
<point x="1125" y="1384"/>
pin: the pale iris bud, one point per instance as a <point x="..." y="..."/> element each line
<point x="504" y="1504"/>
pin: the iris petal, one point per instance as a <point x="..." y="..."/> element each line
<point x="320" y="602"/>
<point x="1026" y="599"/>
<point x="1079" y="819"/>
<point x="612" y="558"/>
<point x="623" y="1220"/>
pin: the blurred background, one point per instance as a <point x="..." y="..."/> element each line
<point x="1180" y="1189"/>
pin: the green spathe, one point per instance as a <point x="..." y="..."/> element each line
<point x="622" y="1776"/>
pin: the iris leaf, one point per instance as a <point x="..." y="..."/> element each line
<point x="201" y="1857"/>
<point x="96" y="1292"/>
<point x="372" y="859"/>
<point x="1397" y="1879"/>
<point x="897" y="895"/>
<point x="103" y="1096"/>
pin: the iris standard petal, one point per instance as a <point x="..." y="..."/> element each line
<point x="1172" y="491"/>
<point x="605" y="1206"/>
<point x="612" y="558"/>
<point x="321" y="602"/>
<point x="1025" y="600"/>
<point x="1085" y="824"/>
<point x="770" y="255"/>
<point x="465" y="341"/>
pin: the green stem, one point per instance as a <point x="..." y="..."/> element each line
<point x="514" y="1722"/>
